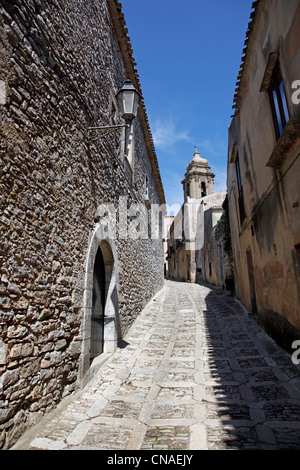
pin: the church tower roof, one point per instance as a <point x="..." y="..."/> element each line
<point x="197" y="160"/>
<point x="198" y="180"/>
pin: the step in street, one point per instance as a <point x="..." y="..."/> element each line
<point x="195" y="372"/>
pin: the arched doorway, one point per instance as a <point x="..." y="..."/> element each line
<point x="100" y="325"/>
<point x="98" y="306"/>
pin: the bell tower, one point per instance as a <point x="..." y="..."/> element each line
<point x="198" y="180"/>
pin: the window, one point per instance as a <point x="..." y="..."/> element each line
<point x="278" y="102"/>
<point x="203" y="189"/>
<point x="188" y="191"/>
<point x="285" y="125"/>
<point x="240" y="190"/>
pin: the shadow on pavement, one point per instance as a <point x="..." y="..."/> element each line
<point x="252" y="386"/>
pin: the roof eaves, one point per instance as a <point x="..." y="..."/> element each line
<point x="237" y="96"/>
<point x="117" y="16"/>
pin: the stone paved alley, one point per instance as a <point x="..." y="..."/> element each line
<point x="195" y="372"/>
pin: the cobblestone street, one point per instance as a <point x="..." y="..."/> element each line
<point x="194" y="372"/>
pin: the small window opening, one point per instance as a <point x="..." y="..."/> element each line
<point x="278" y="102"/>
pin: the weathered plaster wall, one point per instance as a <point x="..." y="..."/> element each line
<point x="271" y="226"/>
<point x="186" y="259"/>
<point x="210" y="248"/>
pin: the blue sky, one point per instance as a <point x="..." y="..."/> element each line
<point x="188" y="55"/>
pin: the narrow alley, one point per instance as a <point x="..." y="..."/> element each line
<point x="194" y="372"/>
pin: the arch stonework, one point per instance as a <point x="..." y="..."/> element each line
<point x="111" y="320"/>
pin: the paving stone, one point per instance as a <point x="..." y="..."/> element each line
<point x="177" y="392"/>
<point x="230" y="392"/>
<point x="166" y="438"/>
<point x="79" y="433"/>
<point x="231" y="437"/>
<point x="196" y="373"/>
<point x="172" y="411"/>
<point x="106" y="437"/>
<point x="47" y="444"/>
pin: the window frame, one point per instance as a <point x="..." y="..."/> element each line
<point x="278" y="101"/>
<point x="188" y="189"/>
<point x="241" y="202"/>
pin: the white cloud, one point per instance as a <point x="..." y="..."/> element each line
<point x="165" y="133"/>
<point x="216" y="148"/>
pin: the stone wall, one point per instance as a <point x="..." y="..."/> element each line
<point x="62" y="65"/>
<point x="210" y="248"/>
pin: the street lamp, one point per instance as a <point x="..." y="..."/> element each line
<point x="128" y="99"/>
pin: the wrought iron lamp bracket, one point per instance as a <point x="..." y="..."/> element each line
<point x="97" y="133"/>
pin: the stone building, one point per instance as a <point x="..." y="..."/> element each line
<point x="209" y="266"/>
<point x="216" y="252"/>
<point x="214" y="273"/>
<point x="77" y="267"/>
<point x="189" y="233"/>
<point x="263" y="170"/>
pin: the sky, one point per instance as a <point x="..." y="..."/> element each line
<point x="188" y="55"/>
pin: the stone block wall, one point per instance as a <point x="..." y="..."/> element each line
<point x="62" y="64"/>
